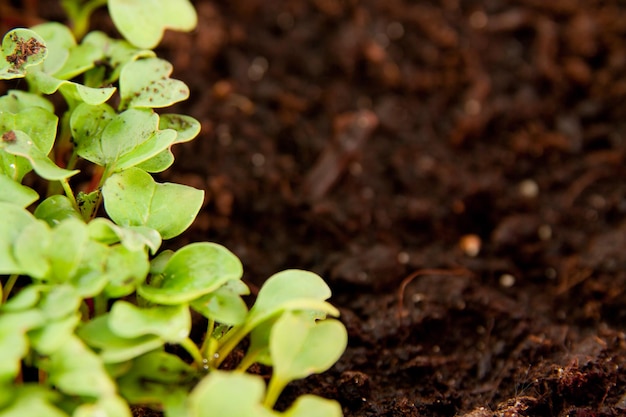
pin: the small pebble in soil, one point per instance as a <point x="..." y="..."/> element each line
<point x="470" y="245"/>
<point x="528" y="189"/>
<point x="507" y="280"/>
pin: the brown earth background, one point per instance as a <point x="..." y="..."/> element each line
<point x="454" y="169"/>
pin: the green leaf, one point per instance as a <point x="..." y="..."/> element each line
<point x="21" y="48"/>
<point x="70" y="239"/>
<point x="55" y="209"/>
<point x="59" y="302"/>
<point x="106" y="406"/>
<point x="91" y="276"/>
<point x="117" y="53"/>
<point x="313" y="406"/>
<point x="16" y="193"/>
<point x="32" y="400"/>
<point x="224" y="305"/>
<point x="292" y="289"/>
<point x="42" y="134"/>
<point x="155" y="378"/>
<point x="228" y="394"/>
<point x="142" y="22"/>
<point x="171" y="323"/>
<point x="193" y="271"/>
<point x="87" y="124"/>
<point x="133" y="198"/>
<point x="158" y="163"/>
<point x="31" y="249"/>
<point x="48" y="339"/>
<point x="133" y="238"/>
<point x="72" y="91"/>
<point x="17" y="100"/>
<point x="14" y="220"/>
<point x="300" y="347"/>
<point x="25" y="299"/>
<point x="126" y="269"/>
<point x="186" y="127"/>
<point x="59" y="40"/>
<point x="118" y="141"/>
<point x="146" y="83"/>
<point x="76" y="370"/>
<point x="114" y="348"/>
<point x="22" y="145"/>
<point x="13" y="340"/>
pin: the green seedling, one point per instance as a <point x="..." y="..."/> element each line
<point x="87" y="299"/>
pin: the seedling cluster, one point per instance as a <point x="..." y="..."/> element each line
<point x="91" y="310"/>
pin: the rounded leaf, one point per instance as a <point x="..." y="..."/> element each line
<point x="133" y="198"/>
<point x="193" y="271"/>
<point x="142" y="22"/>
<point x="21" y="48"/>
<point x="171" y="323"/>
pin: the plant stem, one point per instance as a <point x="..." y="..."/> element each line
<point x="69" y="193"/>
<point x="207" y="337"/>
<point x="8" y="287"/>
<point x="193" y="350"/>
<point x="274" y="388"/>
<point x="230" y="341"/>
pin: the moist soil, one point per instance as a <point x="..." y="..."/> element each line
<point x="455" y="171"/>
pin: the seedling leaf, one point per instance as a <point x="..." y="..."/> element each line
<point x="14" y="220"/>
<point x="220" y="394"/>
<point x="13" y="341"/>
<point x="125" y="270"/>
<point x="287" y="290"/>
<point x="32" y="400"/>
<point x="300" y="347"/>
<point x="16" y="193"/>
<point x="156" y="378"/>
<point x="224" y="305"/>
<point x="313" y="406"/>
<point x="193" y="271"/>
<point x="22" y="145"/>
<point x="133" y="198"/>
<point x="21" y="48"/>
<point x="146" y="83"/>
<point x="114" y="348"/>
<point x="76" y="370"/>
<point x="171" y="323"/>
<point x="56" y="208"/>
<point x="142" y="22"/>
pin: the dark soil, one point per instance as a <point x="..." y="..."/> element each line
<point x="454" y="169"/>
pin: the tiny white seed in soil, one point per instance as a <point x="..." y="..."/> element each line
<point x="528" y="189"/>
<point x="507" y="280"/>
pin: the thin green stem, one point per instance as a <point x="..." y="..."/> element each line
<point x="69" y="193"/>
<point x="274" y="388"/>
<point x="228" y="343"/>
<point x="193" y="350"/>
<point x="206" y="345"/>
<point x="8" y="287"/>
